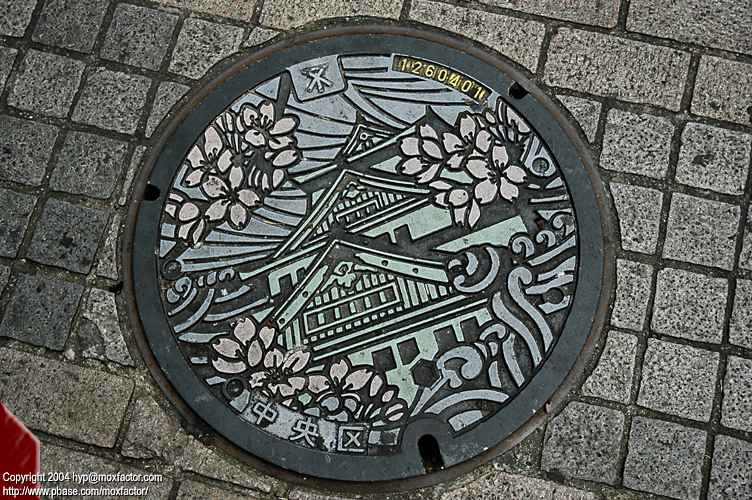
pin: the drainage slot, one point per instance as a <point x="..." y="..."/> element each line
<point x="151" y="192"/>
<point x="517" y="91"/>
<point x="430" y="453"/>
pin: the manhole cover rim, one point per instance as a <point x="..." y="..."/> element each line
<point x="591" y="268"/>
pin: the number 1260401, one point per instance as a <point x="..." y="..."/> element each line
<point x="442" y="74"/>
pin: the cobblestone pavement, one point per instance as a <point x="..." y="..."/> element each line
<point x="663" y="95"/>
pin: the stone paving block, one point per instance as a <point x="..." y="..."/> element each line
<point x="4" y="275"/>
<point x="112" y="100"/>
<point x="736" y="411"/>
<point x="14" y="218"/>
<point x="723" y="90"/>
<point x="639" y="211"/>
<point x="689" y="305"/>
<point x="499" y="485"/>
<point x="25" y="148"/>
<point x="305" y="495"/>
<point x="583" y="442"/>
<point x="585" y="111"/>
<point x="665" y="458"/>
<point x="701" y="231"/>
<point x="260" y="35"/>
<point x="723" y="25"/>
<point x="138" y="155"/>
<point x="57" y="459"/>
<point x="46" y="83"/>
<point x="138" y="36"/>
<point x="603" y="13"/>
<point x="152" y="433"/>
<point x="614" y="67"/>
<point x="632" y="294"/>
<point x="67" y="236"/>
<point x="678" y="379"/>
<point x="285" y="14"/>
<point x="612" y="377"/>
<point x="168" y="94"/>
<point x="40" y="311"/>
<point x="15" y="16"/>
<point x="88" y="164"/>
<point x="636" y="144"/>
<point x="191" y="490"/>
<point x="731" y="472"/>
<point x="101" y="312"/>
<point x="70" y="25"/>
<point x="107" y="262"/>
<point x="714" y="158"/>
<point x="63" y="399"/>
<point x="7" y="56"/>
<point x="517" y="39"/>
<point x="201" y="45"/>
<point x="740" y="326"/>
<point x="745" y="257"/>
<point x="241" y="10"/>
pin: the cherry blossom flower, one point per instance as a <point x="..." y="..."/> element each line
<point x="191" y="224"/>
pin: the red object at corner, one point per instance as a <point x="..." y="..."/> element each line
<point x="19" y="457"/>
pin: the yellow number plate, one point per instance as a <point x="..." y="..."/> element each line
<point x="447" y="76"/>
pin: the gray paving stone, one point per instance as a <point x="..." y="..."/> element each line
<point x="745" y="257"/>
<point x="241" y="10"/>
<point x="201" y="45"/>
<point x="260" y="35"/>
<point x="701" y="231"/>
<point x="138" y="36"/>
<point x="632" y="294"/>
<point x="63" y="399"/>
<point x="723" y="25"/>
<point x="723" y="89"/>
<point x="70" y="25"/>
<point x="714" y="158"/>
<point x="307" y="495"/>
<point x="285" y="14"/>
<point x="14" y="218"/>
<point x="15" y="16"/>
<point x="57" y="459"/>
<point x="135" y="166"/>
<point x="612" y="377"/>
<point x="25" y="148"/>
<point x="585" y="111"/>
<point x="740" y="326"/>
<point x="500" y="485"/>
<point x="168" y="94"/>
<point x="614" y="67"/>
<point x="7" y="56"/>
<point x="191" y="490"/>
<point x="112" y="100"/>
<point x="88" y="164"/>
<point x="152" y="433"/>
<point x="106" y="261"/>
<point x="4" y="275"/>
<point x="101" y="311"/>
<point x="690" y="305"/>
<point x="636" y="144"/>
<point x="639" y="212"/>
<point x="67" y="236"/>
<point x="665" y="458"/>
<point x="515" y="38"/>
<point x="678" y="379"/>
<point x="583" y="442"/>
<point x="603" y="13"/>
<point x="731" y="471"/>
<point x="46" y="83"/>
<point x="40" y="311"/>
<point x="736" y="411"/>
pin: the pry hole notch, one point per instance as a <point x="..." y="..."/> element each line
<point x="430" y="454"/>
<point x="151" y="192"/>
<point x="517" y="91"/>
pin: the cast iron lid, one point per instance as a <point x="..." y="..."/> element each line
<point x="360" y="259"/>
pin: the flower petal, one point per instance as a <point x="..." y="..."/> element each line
<point x="474" y="216"/>
<point x="249" y="114"/>
<point x="318" y="383"/>
<point x="278" y="177"/>
<point x="236" y="178"/>
<point x="244" y="330"/>
<point x="189" y="211"/>
<point x="213" y="144"/>
<point x="256" y="138"/>
<point x="248" y="198"/>
<point x="429" y="174"/>
<point x="513" y="117"/>
<point x="198" y="232"/>
<point x="228" y="348"/>
<point x="412" y="166"/>
<point x="285" y="158"/>
<point x="515" y="174"/>
<point x="427" y="132"/>
<point x="440" y="199"/>
<point x="388" y="395"/>
<point x="409" y="146"/>
<point x="196" y="157"/>
<point x="285" y="125"/>
<point x="297" y="383"/>
<point x="338" y="371"/>
<point x="440" y="185"/>
<point x="194" y="178"/>
<point x="500" y="156"/>
<point x="214" y="187"/>
<point x="458" y="197"/>
<point x="296" y="360"/>
<point x="459" y="215"/>
<point x="508" y="191"/>
<point x="255" y="353"/>
<point x="455" y="162"/>
<point x="478" y="169"/>
<point x="238" y="215"/>
<point x="228" y="367"/>
<point x="225" y="161"/>
<point x="468" y="128"/>
<point x="274" y="358"/>
<point x="432" y="149"/>
<point x="257" y="380"/>
<point x="266" y="112"/>
<point x="185" y="229"/>
<point x="357" y="380"/>
<point x="452" y="143"/>
<point x="267" y="335"/>
<point x="485" y="192"/>
<point x="280" y="142"/>
<point x="376" y="384"/>
<point x="217" y="210"/>
<point x="483" y="141"/>
<point x="265" y="182"/>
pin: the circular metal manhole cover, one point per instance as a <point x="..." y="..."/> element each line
<point x="363" y="260"/>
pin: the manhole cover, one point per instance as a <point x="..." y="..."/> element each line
<point x="359" y="258"/>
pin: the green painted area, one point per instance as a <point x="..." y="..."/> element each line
<point x="406" y="268"/>
<point x="420" y="223"/>
<point x="460" y="176"/>
<point x="498" y="235"/>
<point x="389" y="165"/>
<point x="261" y="315"/>
<point x="288" y="270"/>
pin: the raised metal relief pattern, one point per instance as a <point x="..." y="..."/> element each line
<point x="362" y="242"/>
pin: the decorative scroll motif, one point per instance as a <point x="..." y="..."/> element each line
<point x="352" y="246"/>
